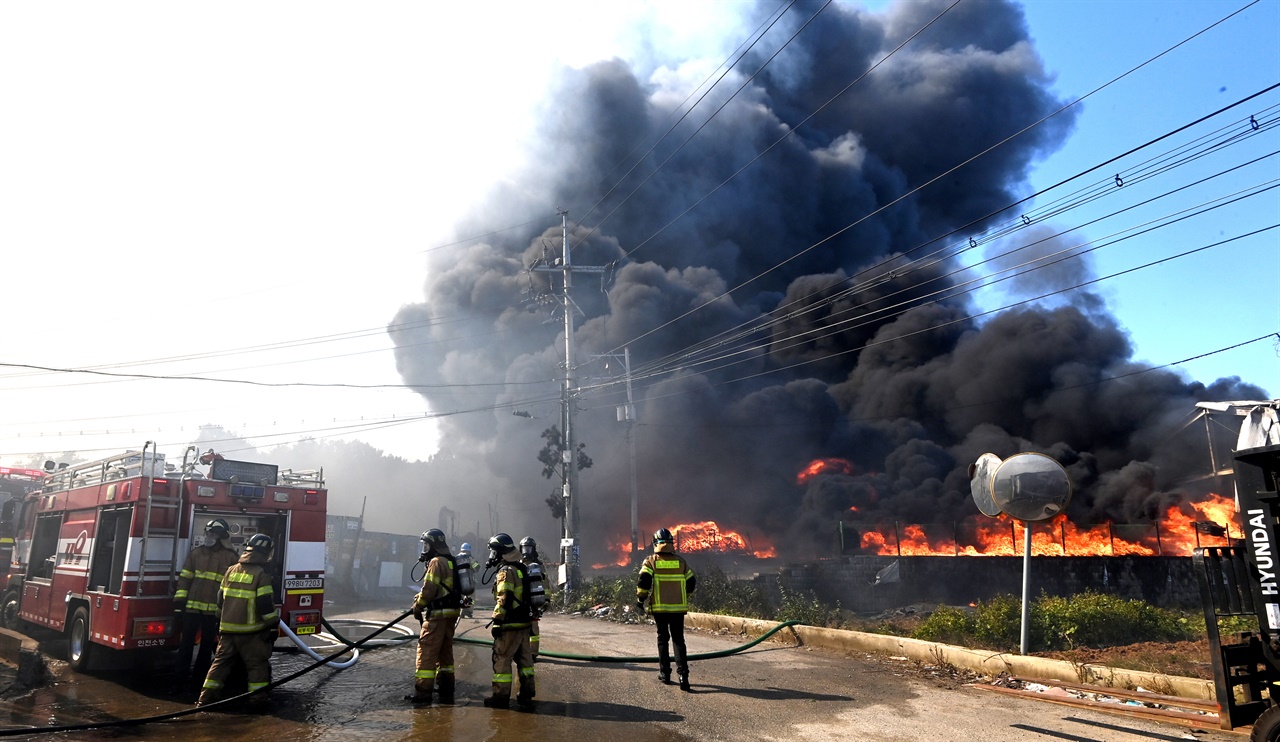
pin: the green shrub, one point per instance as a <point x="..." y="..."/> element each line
<point x="1058" y="623"/>
<point x="717" y="593"/>
<point x="1098" y="620"/>
<point x="807" y="609"/>
<point x="998" y="622"/>
<point x="614" y="592"/>
<point x="947" y="625"/>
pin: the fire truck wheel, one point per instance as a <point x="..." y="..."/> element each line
<point x="1267" y="727"/>
<point x="79" y="648"/>
<point x="9" y="611"/>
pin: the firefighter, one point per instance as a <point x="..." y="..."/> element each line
<point x="468" y="601"/>
<point x="533" y="569"/>
<point x="511" y="621"/>
<point x="249" y="624"/>
<point x="664" y="586"/>
<point x="196" y="600"/>
<point x="437" y="608"/>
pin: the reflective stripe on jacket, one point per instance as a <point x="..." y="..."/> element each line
<point x="201" y="577"/>
<point x="247" y="604"/>
<point x="438" y="594"/>
<point x="511" y="607"/>
<point x="665" y="582"/>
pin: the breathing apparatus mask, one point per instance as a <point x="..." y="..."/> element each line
<point x="432" y="543"/>
<point x="215" y="530"/>
<point x="499" y="545"/>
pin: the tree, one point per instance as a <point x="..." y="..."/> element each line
<point x="553" y="465"/>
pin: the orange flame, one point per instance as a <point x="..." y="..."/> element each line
<point x="703" y="537"/>
<point x="707" y="536"/>
<point x="620" y="548"/>
<point x="823" y="466"/>
<point x="1183" y="529"/>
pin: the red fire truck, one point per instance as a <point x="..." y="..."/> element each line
<point x="100" y="544"/>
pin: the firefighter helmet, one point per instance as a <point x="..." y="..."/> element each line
<point x="259" y="542"/>
<point x="214" y="526"/>
<point x="501" y="544"/>
<point x="465" y="547"/>
<point x="528" y="546"/>
<point x="433" y="541"/>
<point x="663" y="536"/>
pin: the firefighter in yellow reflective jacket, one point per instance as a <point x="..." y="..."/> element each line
<point x="440" y="602"/>
<point x="664" y="586"/>
<point x="512" y="619"/>
<point x="195" y="602"/>
<point x="249" y="624"/>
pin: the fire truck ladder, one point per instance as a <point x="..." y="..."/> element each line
<point x="149" y="530"/>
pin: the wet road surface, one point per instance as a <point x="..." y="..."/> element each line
<point x="770" y="692"/>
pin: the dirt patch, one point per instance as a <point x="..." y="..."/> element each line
<point x="1184" y="659"/>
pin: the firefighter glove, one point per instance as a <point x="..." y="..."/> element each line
<point x="497" y="632"/>
<point x="179" y="605"/>
<point x="417" y="613"/>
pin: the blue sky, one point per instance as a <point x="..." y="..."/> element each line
<point x="154" y="151"/>
<point x="1224" y="295"/>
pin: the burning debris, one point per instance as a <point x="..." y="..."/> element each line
<point x="707" y="537"/>
<point x="1183" y="528"/>
<point x="893" y="406"/>
<point x="704" y="537"/>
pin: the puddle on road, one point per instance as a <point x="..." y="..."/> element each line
<point x="364" y="702"/>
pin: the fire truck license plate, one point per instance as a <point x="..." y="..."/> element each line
<point x="305" y="630"/>
<point x="313" y="583"/>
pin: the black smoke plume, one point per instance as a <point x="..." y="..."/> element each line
<point x="911" y="398"/>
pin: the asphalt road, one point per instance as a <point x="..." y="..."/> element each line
<point x="770" y="692"/>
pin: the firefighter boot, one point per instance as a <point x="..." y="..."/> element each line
<point x="444" y="686"/>
<point x="524" y="699"/>
<point x="497" y="702"/>
<point x="682" y="665"/>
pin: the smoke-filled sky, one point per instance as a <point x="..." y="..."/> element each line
<point x="823" y="252"/>
<point x="792" y="267"/>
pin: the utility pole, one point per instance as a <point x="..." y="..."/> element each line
<point x="627" y="414"/>
<point x="631" y="443"/>
<point x="569" y="542"/>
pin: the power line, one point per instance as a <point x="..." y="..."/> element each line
<point x="775" y="318"/>
<point x="942" y="174"/>
<point x="250" y="382"/>
<point x="952" y="408"/>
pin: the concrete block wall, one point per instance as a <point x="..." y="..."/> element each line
<point x="1163" y="581"/>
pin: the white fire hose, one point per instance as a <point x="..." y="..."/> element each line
<point x="334" y="642"/>
<point x="355" y="655"/>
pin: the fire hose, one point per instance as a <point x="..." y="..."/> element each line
<point x="327" y="660"/>
<point x="463" y="639"/>
<point x="350" y="646"/>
